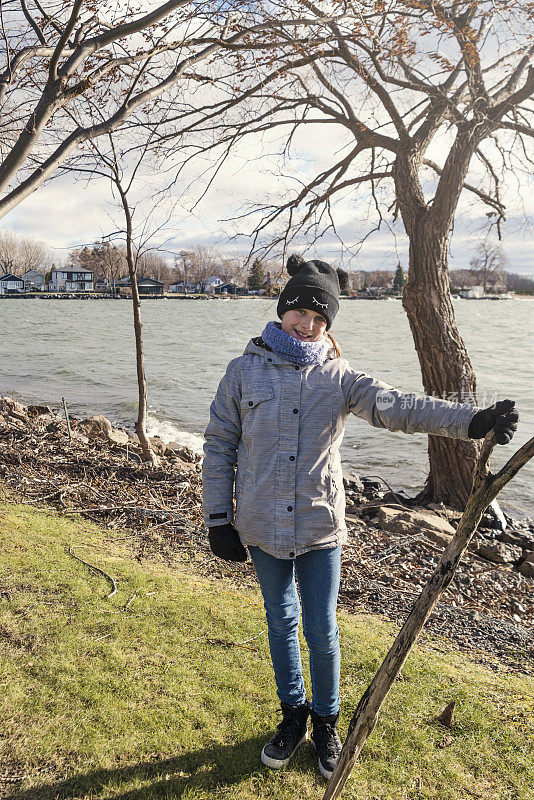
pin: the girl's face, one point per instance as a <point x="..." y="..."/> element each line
<point x="304" y="325"/>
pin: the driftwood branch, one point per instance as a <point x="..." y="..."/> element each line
<point x="98" y="570"/>
<point x="486" y="487"/>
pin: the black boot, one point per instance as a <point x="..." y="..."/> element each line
<point x="290" y="733"/>
<point x="326" y="742"/>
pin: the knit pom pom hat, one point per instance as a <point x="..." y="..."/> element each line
<point x="314" y="285"/>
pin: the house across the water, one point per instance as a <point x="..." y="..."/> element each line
<point x="34" y="281"/>
<point x="144" y="285"/>
<point x="11" y="284"/>
<point x="70" y="280"/>
<point x="184" y="287"/>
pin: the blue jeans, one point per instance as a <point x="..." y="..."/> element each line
<point x="317" y="573"/>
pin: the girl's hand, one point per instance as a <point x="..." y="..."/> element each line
<point x="225" y="543"/>
<point x="501" y="417"/>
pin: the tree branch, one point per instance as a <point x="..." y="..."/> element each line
<point x="488" y="199"/>
<point x="485" y="488"/>
<point x="34" y="25"/>
<point x="63" y="39"/>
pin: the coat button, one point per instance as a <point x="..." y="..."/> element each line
<point x="297" y="367"/>
<point x="295" y="411"/>
<point x="291" y="458"/>
<point x="269" y="359"/>
<point x="290" y="508"/>
<point x="292" y="554"/>
<point x="250" y="403"/>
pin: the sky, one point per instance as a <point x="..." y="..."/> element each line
<point x="68" y="213"/>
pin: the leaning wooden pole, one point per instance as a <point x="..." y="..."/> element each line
<point x="486" y="486"/>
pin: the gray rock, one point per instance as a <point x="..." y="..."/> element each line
<point x="511" y="537"/>
<point x="500" y="519"/>
<point x="353" y="482"/>
<point x="498" y="553"/>
<point x="157" y="445"/>
<point x="181" y="451"/>
<point x="435" y="528"/>
<point x="493" y="517"/>
<point x="527" y="567"/>
<point x="527" y="540"/>
<point x="115" y="436"/>
<point x="97" y="426"/>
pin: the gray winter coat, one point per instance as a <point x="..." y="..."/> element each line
<point x="282" y="426"/>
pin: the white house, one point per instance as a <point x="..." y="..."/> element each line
<point x="33" y="280"/>
<point x="211" y="282"/>
<point x="184" y="287"/>
<point x="70" y="280"/>
<point x="11" y="284"/>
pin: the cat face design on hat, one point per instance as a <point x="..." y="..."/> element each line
<point x="313" y="285"/>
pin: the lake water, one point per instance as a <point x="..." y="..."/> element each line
<point x="84" y="351"/>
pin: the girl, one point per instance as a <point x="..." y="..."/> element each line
<point x="279" y="416"/>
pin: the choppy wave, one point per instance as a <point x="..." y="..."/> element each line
<point x="187" y="348"/>
<point x="170" y="433"/>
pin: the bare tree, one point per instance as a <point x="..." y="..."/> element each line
<point x="424" y="102"/>
<point x="122" y="171"/>
<point x="150" y="264"/>
<point x="519" y="283"/>
<point x="62" y="59"/>
<point x="486" y="487"/>
<point x="379" y="278"/>
<point x="20" y="253"/>
<point x="489" y="265"/>
<point x="202" y="264"/>
<point x="103" y="259"/>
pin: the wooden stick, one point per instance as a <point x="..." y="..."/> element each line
<point x="486" y="487"/>
<point x="98" y="570"/>
<point x="67" y="417"/>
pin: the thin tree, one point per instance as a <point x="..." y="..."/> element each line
<point x="110" y="164"/>
<point x="429" y="101"/>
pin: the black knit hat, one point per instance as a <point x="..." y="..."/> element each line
<point x="314" y="285"/>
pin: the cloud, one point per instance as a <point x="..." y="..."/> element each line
<point x="67" y="213"/>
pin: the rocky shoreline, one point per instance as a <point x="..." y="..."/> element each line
<point x="392" y="548"/>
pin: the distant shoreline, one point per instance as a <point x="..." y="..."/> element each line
<point x="177" y="296"/>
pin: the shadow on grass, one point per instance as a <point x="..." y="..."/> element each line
<point x="208" y="768"/>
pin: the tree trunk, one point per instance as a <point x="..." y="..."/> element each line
<point x="140" y="427"/>
<point x="445" y="365"/>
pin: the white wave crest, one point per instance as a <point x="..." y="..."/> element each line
<point x="170" y="433"/>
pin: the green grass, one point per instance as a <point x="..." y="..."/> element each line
<point x="161" y="708"/>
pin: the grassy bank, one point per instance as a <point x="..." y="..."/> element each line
<point x="143" y="695"/>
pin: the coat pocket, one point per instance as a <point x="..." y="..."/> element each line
<point x="258" y="415"/>
<point x="254" y="395"/>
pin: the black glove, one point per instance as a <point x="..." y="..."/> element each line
<point x="225" y="543"/>
<point x="501" y="417"/>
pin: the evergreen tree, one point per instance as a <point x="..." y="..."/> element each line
<point x="399" y="281"/>
<point x="256" y="275"/>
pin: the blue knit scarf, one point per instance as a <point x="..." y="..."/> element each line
<point x="303" y="353"/>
